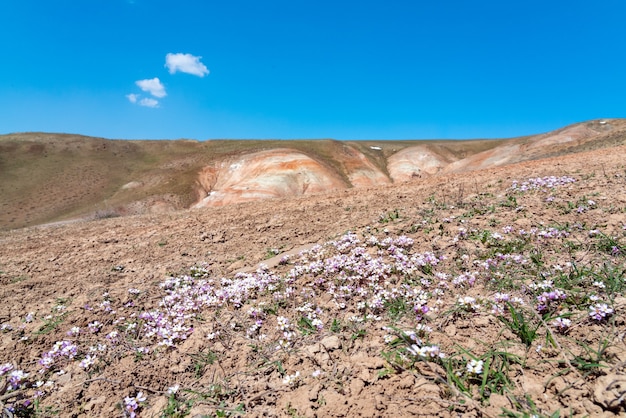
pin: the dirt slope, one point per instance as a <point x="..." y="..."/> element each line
<point x="109" y="271"/>
<point x="583" y="136"/>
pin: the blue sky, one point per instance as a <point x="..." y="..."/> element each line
<point x="309" y="69"/>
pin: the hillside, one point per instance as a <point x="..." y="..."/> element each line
<point x="488" y="289"/>
<point x="52" y="177"/>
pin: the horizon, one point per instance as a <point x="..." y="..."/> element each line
<point x="310" y="139"/>
<point x="139" y="69"/>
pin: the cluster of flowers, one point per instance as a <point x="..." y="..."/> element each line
<point x="501" y="301"/>
<point x="426" y="351"/>
<point x="468" y="303"/>
<point x="61" y="350"/>
<point x="188" y="295"/>
<point x="312" y="314"/>
<point x="16" y="378"/>
<point x="284" y="326"/>
<point x="545" y="299"/>
<point x="552" y="233"/>
<point x="541" y="183"/>
<point x="258" y="316"/>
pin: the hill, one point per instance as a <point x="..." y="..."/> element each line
<point x="52" y="177"/>
<point x="489" y="292"/>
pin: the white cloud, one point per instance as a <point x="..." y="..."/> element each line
<point x="152" y="86"/>
<point x="149" y="102"/>
<point x="185" y="63"/>
<point x="132" y="97"/>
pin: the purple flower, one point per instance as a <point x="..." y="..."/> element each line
<point x="5" y="368"/>
<point x="562" y="324"/>
<point x="131" y="404"/>
<point x="599" y="311"/>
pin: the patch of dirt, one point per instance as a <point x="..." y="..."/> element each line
<point x="359" y="363"/>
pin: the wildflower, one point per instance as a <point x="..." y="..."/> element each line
<point x="291" y="379"/>
<point x="317" y="323"/>
<point x="475" y="366"/>
<point x="283" y="323"/>
<point x="94" y="326"/>
<point x="541" y="183"/>
<point x="88" y="361"/>
<point x="562" y="324"/>
<point x="173" y="389"/>
<point x="131" y="404"/>
<point x="545" y="298"/>
<point x="599" y="311"/>
<point x="468" y="303"/>
<point x="5" y="368"/>
<point x="16" y="378"/>
<point x="74" y="331"/>
<point x="425" y="351"/>
<point x="316" y="373"/>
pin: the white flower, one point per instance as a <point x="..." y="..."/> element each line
<point x="88" y="361"/>
<point x="291" y="379"/>
<point x="475" y="366"/>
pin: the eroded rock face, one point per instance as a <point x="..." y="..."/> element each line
<point x="265" y="174"/>
<point x="287" y="172"/>
<point x="360" y="171"/>
<point x="570" y="134"/>
<point x="530" y="148"/>
<point x="416" y="162"/>
<point x="504" y="154"/>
